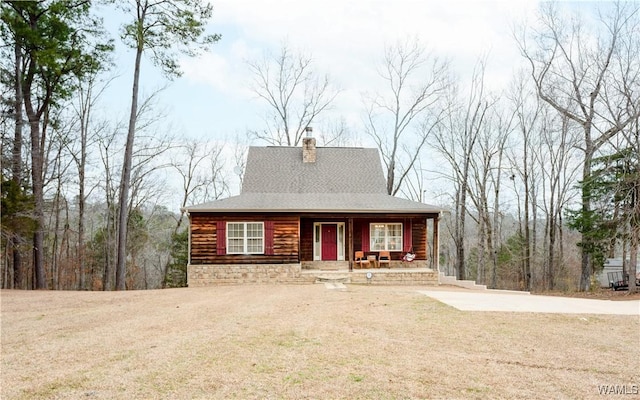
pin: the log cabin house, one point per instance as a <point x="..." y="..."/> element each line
<point x="303" y="213"/>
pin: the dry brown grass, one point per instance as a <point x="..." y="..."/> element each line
<point x="301" y="342"/>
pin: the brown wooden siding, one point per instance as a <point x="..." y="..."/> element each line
<point x="293" y="236"/>
<point x="419" y="238"/>
<point x="204" y="240"/>
<point x="285" y="237"/>
<point x="306" y="240"/>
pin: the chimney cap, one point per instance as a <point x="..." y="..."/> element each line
<point x="308" y="130"/>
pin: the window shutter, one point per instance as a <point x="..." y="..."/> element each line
<point x="222" y="238"/>
<point x="365" y="237"/>
<point x="268" y="237"/>
<point x="406" y="236"/>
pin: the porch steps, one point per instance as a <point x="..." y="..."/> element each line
<point x="333" y="278"/>
<point x="453" y="281"/>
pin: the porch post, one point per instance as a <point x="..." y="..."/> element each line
<point x="350" y="241"/>
<point x="429" y="249"/>
<point x="190" y="227"/>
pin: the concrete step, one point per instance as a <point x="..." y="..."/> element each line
<point x="333" y="278"/>
<point x="452" y="280"/>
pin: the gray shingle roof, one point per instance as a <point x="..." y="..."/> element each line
<point x="343" y="179"/>
<point x="336" y="170"/>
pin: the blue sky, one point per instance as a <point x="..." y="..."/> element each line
<point x="346" y="40"/>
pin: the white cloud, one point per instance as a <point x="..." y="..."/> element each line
<point x="210" y="68"/>
<point x="347" y="39"/>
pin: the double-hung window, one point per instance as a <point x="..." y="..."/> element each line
<point x="245" y="237"/>
<point x="385" y="236"/>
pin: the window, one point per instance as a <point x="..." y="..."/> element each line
<point x="245" y="237"/>
<point x="317" y="246"/>
<point x="386" y="237"/>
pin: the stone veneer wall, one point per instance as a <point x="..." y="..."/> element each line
<point x="232" y="274"/>
<point x="396" y="277"/>
<point x="207" y="275"/>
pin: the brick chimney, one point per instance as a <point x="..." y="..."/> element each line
<point x="309" y="147"/>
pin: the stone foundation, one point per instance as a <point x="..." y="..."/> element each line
<point x="209" y="275"/>
<point x="233" y="274"/>
<point x="419" y="277"/>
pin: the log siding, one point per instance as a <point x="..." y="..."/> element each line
<point x="292" y="240"/>
<point x="206" y="249"/>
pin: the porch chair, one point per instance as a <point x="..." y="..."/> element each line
<point x="361" y="259"/>
<point x="384" y="257"/>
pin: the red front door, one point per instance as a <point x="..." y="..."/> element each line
<point x="329" y="242"/>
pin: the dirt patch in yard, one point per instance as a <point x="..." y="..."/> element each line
<point x="301" y="342"/>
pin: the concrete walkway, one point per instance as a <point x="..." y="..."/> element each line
<point x="496" y="300"/>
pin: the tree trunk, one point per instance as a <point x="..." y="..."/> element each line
<point x="121" y="268"/>
<point x="54" y="267"/>
<point x="16" y="167"/>
<point x="461" y="210"/>
<point x="552" y="249"/>
<point x="635" y="234"/>
<point x="527" y="229"/>
<point x="482" y="245"/>
<point x="84" y="131"/>
<point x="585" y="275"/>
<point x="497" y="221"/>
<point x="37" y="161"/>
<point x="81" y="203"/>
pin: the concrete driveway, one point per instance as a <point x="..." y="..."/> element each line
<point x="496" y="300"/>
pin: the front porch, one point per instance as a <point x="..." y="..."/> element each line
<point x="331" y="243"/>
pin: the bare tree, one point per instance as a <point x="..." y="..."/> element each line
<point x="543" y="162"/>
<point x="187" y="162"/>
<point x="522" y="162"/>
<point x="401" y="121"/>
<point x="108" y="147"/>
<point x="485" y="184"/>
<point x="455" y="140"/>
<point x="59" y="163"/>
<point x="627" y="87"/>
<point x="334" y="133"/>
<point x="88" y="92"/>
<point x="572" y="69"/>
<point x="295" y="95"/>
<point x="240" y="149"/>
<point x="558" y="167"/>
<point x="414" y="188"/>
<point x="634" y="208"/>
<point x="200" y="166"/>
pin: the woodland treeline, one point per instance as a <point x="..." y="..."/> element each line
<point x="541" y="178"/>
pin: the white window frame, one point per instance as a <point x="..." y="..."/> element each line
<point x="245" y="238"/>
<point x="373" y="246"/>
